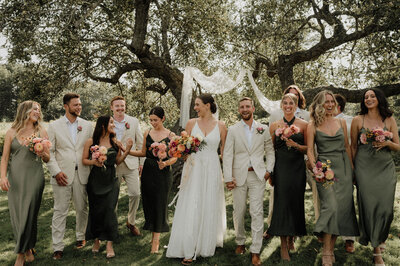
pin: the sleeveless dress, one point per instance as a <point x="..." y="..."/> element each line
<point x="337" y="205"/>
<point x="155" y="186"/>
<point x="103" y="190"/>
<point x="288" y="218"/>
<point x="199" y="222"/>
<point x="376" y="185"/>
<point x="26" y="178"/>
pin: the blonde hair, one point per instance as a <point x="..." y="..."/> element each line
<point x="301" y="100"/>
<point x="22" y="117"/>
<point x="291" y="96"/>
<point x="317" y="110"/>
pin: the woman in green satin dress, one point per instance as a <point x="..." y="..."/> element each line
<point x="25" y="181"/>
<point x="329" y="134"/>
<point x="374" y="170"/>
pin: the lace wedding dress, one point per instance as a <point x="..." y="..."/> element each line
<point x="199" y="222"/>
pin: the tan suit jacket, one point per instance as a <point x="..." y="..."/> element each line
<point x="238" y="155"/>
<point x="64" y="154"/>
<point x="135" y="133"/>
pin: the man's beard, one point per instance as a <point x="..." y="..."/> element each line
<point x="246" y="117"/>
<point x="73" y="113"/>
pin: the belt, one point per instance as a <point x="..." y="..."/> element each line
<point x="250" y="169"/>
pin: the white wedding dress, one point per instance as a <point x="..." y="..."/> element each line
<point x="199" y="222"/>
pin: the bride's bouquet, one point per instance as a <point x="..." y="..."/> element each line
<point x="184" y="144"/>
<point x="323" y="173"/>
<point x="286" y="131"/>
<point x="99" y="153"/>
<point x="37" y="144"/>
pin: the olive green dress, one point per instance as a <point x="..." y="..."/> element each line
<point x="155" y="187"/>
<point x="26" y="178"/>
<point x="376" y="186"/>
<point x="337" y="205"/>
<point x="289" y="178"/>
<point x="103" y="191"/>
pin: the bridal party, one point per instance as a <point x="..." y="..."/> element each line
<point x="347" y="162"/>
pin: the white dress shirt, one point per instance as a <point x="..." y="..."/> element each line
<point x="120" y="128"/>
<point x="248" y="131"/>
<point x="73" y="128"/>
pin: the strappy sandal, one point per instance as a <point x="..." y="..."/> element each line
<point x="373" y="260"/>
<point x="187" y="261"/>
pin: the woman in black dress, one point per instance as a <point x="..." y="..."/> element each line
<point x="156" y="178"/>
<point x="288" y="219"/>
<point x="103" y="186"/>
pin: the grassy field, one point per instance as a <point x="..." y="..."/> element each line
<point x="136" y="250"/>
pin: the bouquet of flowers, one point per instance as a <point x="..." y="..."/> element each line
<point x="99" y="153"/>
<point x="184" y="144"/>
<point x="323" y="172"/>
<point x="36" y="144"/>
<point x="377" y="134"/>
<point x="286" y="131"/>
<point x="159" y="150"/>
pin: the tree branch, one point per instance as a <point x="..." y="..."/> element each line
<point x="353" y="96"/>
<point x="118" y="73"/>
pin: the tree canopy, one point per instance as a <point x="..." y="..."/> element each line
<point x="341" y="45"/>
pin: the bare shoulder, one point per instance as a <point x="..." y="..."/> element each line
<point x="89" y="142"/>
<point x="302" y="122"/>
<point x="11" y="133"/>
<point x="221" y="124"/>
<point x="391" y="122"/>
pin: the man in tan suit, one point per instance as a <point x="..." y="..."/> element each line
<point x="245" y="173"/>
<point x="69" y="176"/>
<point x="128" y="127"/>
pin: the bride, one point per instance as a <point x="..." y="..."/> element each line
<point x="200" y="217"/>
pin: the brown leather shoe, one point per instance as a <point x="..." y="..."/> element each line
<point x="134" y="230"/>
<point x="240" y="249"/>
<point x="255" y="259"/>
<point x="57" y="255"/>
<point x="80" y="244"/>
<point x="349" y="246"/>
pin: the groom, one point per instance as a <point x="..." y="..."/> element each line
<point x="245" y="173"/>
<point x="69" y="176"/>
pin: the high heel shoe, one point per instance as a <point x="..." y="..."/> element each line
<point x="373" y="260"/>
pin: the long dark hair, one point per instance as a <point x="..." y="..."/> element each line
<point x="383" y="105"/>
<point x="102" y="124"/>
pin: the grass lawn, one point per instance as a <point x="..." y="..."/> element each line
<point x="136" y="250"/>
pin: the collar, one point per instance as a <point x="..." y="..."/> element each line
<point x="69" y="122"/>
<point x="122" y="121"/>
<point x="253" y="125"/>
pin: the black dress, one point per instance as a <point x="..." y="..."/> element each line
<point x="103" y="190"/>
<point x="288" y="218"/>
<point x="155" y="188"/>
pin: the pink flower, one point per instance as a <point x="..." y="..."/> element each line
<point x="162" y="147"/>
<point x="279" y="131"/>
<point x="363" y="138"/>
<point x="162" y="154"/>
<point x="127" y="126"/>
<point x="380" y="138"/>
<point x="47" y="143"/>
<point x="96" y="155"/>
<point x="287" y="132"/>
<point x="184" y="134"/>
<point x="103" y="150"/>
<point x="294" y="129"/>
<point x="79" y="128"/>
<point x="318" y="164"/>
<point x="388" y="134"/>
<point x="38" y="147"/>
<point x="102" y="158"/>
<point x="329" y="175"/>
<point x="36" y="140"/>
<point x="260" y="130"/>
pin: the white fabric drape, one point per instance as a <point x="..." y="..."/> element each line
<point x="217" y="83"/>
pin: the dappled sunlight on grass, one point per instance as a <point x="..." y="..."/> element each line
<point x="132" y="250"/>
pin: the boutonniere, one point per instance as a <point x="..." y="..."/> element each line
<point x="127" y="126"/>
<point x="260" y="130"/>
<point x="79" y="129"/>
